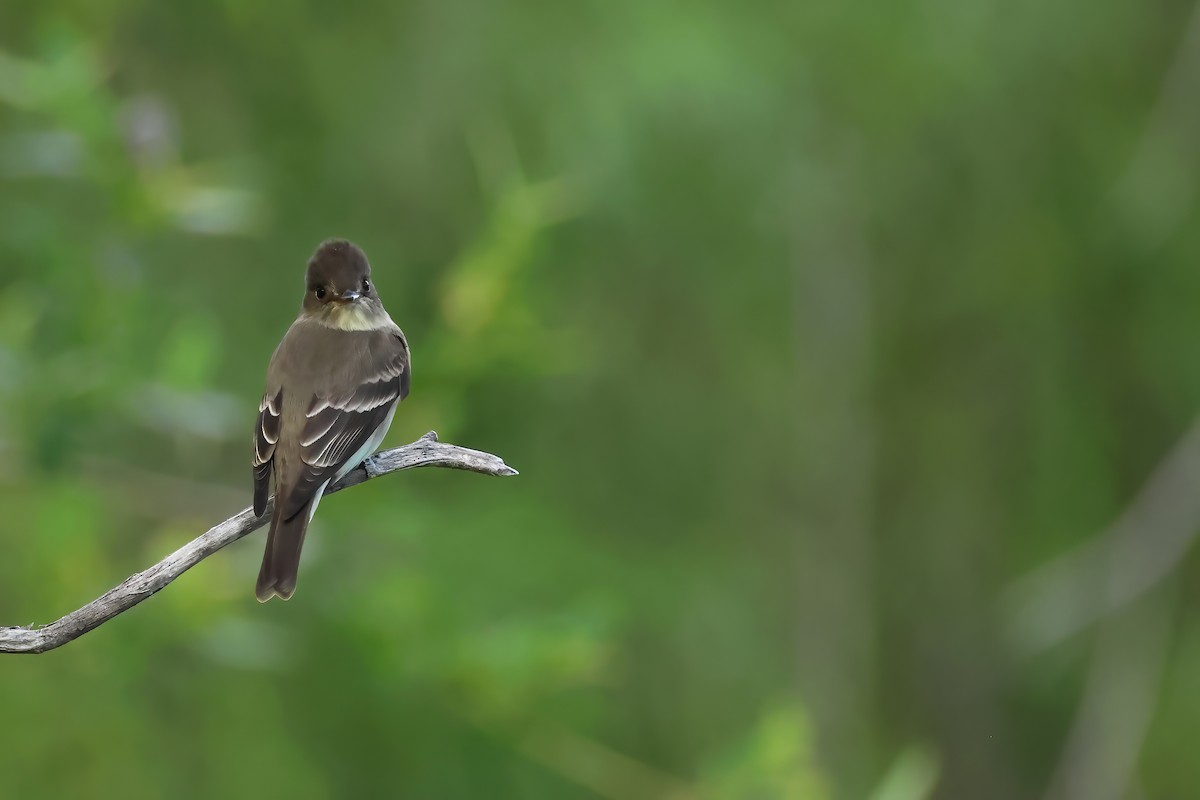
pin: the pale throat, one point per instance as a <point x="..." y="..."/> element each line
<point x="355" y="317"/>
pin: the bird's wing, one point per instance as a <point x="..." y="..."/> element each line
<point x="339" y="422"/>
<point x="266" y="435"/>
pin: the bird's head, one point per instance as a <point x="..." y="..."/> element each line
<point x="339" y="292"/>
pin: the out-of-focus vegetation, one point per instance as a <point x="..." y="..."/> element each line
<point x="834" y="343"/>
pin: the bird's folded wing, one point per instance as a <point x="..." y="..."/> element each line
<point x="266" y="435"/>
<point x="338" y="423"/>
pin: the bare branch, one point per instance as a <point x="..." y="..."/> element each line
<point x="425" y="452"/>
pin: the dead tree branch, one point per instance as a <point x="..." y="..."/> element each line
<point x="425" y="452"/>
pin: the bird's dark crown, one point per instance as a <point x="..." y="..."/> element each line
<point x="338" y="264"/>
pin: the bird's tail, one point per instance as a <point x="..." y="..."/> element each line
<point x="281" y="558"/>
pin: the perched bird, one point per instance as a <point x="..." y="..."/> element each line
<point x="333" y="385"/>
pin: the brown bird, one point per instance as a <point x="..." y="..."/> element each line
<point x="333" y="385"/>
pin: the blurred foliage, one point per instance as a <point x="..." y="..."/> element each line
<point x="814" y="330"/>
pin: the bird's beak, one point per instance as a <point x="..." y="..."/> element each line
<point x="348" y="297"/>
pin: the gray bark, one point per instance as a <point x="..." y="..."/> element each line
<point x="425" y="452"/>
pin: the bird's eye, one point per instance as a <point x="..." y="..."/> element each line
<point x="319" y="292"/>
<point x="366" y="285"/>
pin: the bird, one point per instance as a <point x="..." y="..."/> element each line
<point x="333" y="386"/>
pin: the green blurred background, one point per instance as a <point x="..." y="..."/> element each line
<point x="843" y="350"/>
